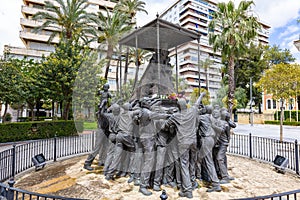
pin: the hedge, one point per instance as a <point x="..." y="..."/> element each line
<point x="284" y="123"/>
<point x="286" y="114"/>
<point x="12" y="132"/>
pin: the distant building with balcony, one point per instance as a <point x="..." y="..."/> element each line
<point x="196" y="15"/>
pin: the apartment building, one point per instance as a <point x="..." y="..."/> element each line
<point x="196" y="15"/>
<point x="36" y="44"/>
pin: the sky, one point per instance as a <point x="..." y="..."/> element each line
<point x="281" y="15"/>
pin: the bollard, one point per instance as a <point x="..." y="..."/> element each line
<point x="163" y="195"/>
<point x="10" y="192"/>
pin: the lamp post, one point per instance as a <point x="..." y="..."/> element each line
<point x="251" y="99"/>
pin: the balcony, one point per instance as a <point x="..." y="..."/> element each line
<point x="25" y="52"/>
<point x="108" y="4"/>
<point x="33" y="23"/>
<point x="30" y="10"/>
<point x="36" y="37"/>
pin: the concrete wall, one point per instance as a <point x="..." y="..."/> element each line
<point x="244" y="118"/>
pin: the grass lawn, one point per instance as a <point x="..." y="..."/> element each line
<point x="90" y="125"/>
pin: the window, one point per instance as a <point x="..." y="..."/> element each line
<point x="269" y="103"/>
<point x="274" y="104"/>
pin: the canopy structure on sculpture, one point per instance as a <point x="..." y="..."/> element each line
<point x="169" y="36"/>
<point x="158" y="36"/>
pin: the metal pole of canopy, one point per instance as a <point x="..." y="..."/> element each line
<point x="120" y="64"/>
<point x="176" y="59"/>
<point x="158" y="55"/>
<point x="199" y="81"/>
<point x="136" y="64"/>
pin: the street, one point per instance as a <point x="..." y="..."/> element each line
<point x="290" y="133"/>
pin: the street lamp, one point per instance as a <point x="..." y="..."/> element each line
<point x="251" y="99"/>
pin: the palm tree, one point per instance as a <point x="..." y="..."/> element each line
<point x="206" y="65"/>
<point x="112" y="26"/>
<point x="130" y="8"/>
<point x="238" y="28"/>
<point x="68" y="19"/>
<point x="138" y="56"/>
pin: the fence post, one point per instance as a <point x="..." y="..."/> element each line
<point x="10" y="192"/>
<point x="297" y="157"/>
<point x="13" y="163"/>
<point x="250" y="145"/>
<point x="54" y="148"/>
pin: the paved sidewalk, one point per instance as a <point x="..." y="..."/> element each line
<point x="290" y="133"/>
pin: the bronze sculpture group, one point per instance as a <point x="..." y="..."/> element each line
<point x="159" y="143"/>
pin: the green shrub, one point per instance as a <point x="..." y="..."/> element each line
<point x="293" y="123"/>
<point x="20" y="131"/>
<point x="287" y="115"/>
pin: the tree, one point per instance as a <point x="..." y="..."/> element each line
<point x="195" y="95"/>
<point x="130" y="8"/>
<point x="86" y="87"/>
<point x="59" y="71"/>
<point x="238" y="29"/>
<point x="139" y="57"/>
<point x="274" y="55"/>
<point x="206" y="65"/>
<point x="281" y="80"/>
<point x="68" y="19"/>
<point x="10" y="83"/>
<point x="112" y="26"/>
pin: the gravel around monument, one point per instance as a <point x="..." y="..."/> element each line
<point x="68" y="178"/>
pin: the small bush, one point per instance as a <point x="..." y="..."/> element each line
<point x="293" y="123"/>
<point x="20" y="131"/>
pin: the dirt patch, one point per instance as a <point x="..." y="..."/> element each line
<point x="68" y="178"/>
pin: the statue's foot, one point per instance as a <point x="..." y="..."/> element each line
<point x="130" y="180"/>
<point x="195" y="185"/>
<point x="88" y="167"/>
<point x="144" y="191"/>
<point x="109" y="177"/>
<point x="136" y="182"/>
<point x="224" y="181"/>
<point x="186" y="194"/>
<point x="121" y="174"/>
<point x="216" y="188"/>
<point x="156" y="188"/>
<point x="172" y="184"/>
<point x="230" y="178"/>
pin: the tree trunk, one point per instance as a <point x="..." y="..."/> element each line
<point x="52" y="105"/>
<point x="5" y="111"/>
<point x="117" y="78"/>
<point x="108" y="57"/>
<point x="231" y="85"/>
<point x="126" y="66"/>
<point x="281" y="121"/>
<point x="66" y="110"/>
<point x="206" y="76"/>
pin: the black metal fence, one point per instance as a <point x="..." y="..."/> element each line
<point x="11" y="193"/>
<point x="19" y="159"/>
<point x="266" y="149"/>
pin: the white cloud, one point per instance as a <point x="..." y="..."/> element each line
<point x="289" y="30"/>
<point x="10" y="14"/>
<point x="153" y="7"/>
<point x="277" y="13"/>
